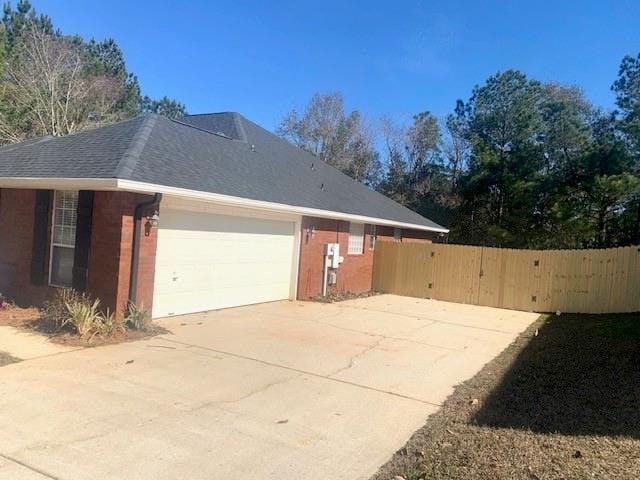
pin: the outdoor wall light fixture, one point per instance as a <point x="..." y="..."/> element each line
<point x="152" y="222"/>
<point x="154" y="219"/>
<point x="310" y="233"/>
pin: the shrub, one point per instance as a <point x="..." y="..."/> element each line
<point x="136" y="317"/>
<point x="108" y="325"/>
<point x="55" y="316"/>
<point x="84" y="315"/>
<point x="78" y="313"/>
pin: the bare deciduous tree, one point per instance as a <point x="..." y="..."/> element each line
<point x="456" y="144"/>
<point x="48" y="84"/>
<point x="344" y="141"/>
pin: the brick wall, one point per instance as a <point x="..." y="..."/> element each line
<point x="111" y="249"/>
<point x="16" y="243"/>
<point x="355" y="273"/>
<point x="109" y="255"/>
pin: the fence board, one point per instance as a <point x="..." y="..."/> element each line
<point x="581" y="281"/>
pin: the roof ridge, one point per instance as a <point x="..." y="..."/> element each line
<point x="210" y="132"/>
<point x="210" y="113"/>
<point x="25" y="143"/>
<point x="237" y="120"/>
<point x="130" y="157"/>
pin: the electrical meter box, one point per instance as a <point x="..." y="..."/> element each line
<point x="332" y="250"/>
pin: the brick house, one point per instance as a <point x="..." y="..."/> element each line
<point x="205" y="212"/>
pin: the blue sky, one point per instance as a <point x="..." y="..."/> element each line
<point x="395" y="58"/>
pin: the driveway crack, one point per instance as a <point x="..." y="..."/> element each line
<point x="386" y="337"/>
<point x="432" y="320"/>
<point x="306" y="372"/>
<point x="352" y="360"/>
<point x="29" y="467"/>
<point x="245" y="396"/>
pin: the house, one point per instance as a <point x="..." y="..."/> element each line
<point x="205" y="212"/>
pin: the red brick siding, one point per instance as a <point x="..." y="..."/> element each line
<point x="16" y="243"/>
<point x="147" y="269"/>
<point x="111" y="248"/>
<point x="355" y="273"/>
<point x="109" y="255"/>
<point x="111" y="244"/>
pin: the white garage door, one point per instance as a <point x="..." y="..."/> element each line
<point x="208" y="261"/>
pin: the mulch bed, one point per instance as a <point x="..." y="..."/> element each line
<point x="28" y="319"/>
<point x="18" y="317"/>
<point x="561" y="402"/>
<point x="334" y="297"/>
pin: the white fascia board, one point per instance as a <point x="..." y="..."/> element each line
<point x="113" y="184"/>
<point x="142" y="187"/>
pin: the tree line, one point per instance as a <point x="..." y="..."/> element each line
<point x="521" y="163"/>
<point x="56" y="84"/>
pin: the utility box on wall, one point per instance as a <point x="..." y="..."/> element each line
<point x="332" y="252"/>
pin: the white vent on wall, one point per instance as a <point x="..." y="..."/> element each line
<point x="356" y="238"/>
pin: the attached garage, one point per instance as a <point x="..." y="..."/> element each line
<point x="207" y="260"/>
<point x="244" y="217"/>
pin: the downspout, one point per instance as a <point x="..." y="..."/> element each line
<point x="135" y="251"/>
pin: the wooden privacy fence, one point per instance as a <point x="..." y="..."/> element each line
<point x="578" y="281"/>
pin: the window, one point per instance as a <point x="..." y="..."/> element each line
<point x="63" y="238"/>
<point x="372" y="237"/>
<point x="397" y="235"/>
<point x="356" y="239"/>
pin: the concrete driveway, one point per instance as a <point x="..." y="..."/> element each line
<point x="279" y="390"/>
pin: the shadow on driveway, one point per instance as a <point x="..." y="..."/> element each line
<point x="6" y="359"/>
<point x="579" y="376"/>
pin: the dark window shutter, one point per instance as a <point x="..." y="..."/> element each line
<point x="83" y="240"/>
<point x="40" y="230"/>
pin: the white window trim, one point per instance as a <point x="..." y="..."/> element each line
<point x="51" y="242"/>
<point x="361" y="252"/>
<point x="373" y="236"/>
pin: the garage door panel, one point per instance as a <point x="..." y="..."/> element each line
<point x="209" y="261"/>
<point x="205" y="279"/>
<point x="225" y="238"/>
<point x="225" y="268"/>
<point x="222" y="253"/>
<point x="192" y="224"/>
<point x="222" y="298"/>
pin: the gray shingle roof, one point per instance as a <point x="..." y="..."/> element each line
<point x="239" y="159"/>
<point x="89" y="154"/>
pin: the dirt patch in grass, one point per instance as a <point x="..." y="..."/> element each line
<point x="561" y="402"/>
<point x="28" y="319"/>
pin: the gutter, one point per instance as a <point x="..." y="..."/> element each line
<point x="115" y="184"/>
<point x="231" y="201"/>
<point x="135" y="250"/>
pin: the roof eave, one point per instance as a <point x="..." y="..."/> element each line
<point x="228" y="200"/>
<point x="114" y="184"/>
<point x="50" y="183"/>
